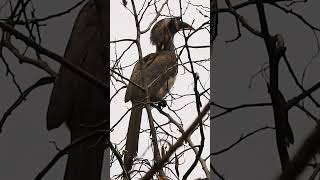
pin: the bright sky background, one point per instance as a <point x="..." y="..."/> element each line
<point x="122" y="26"/>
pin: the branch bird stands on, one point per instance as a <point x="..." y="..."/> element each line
<point x="156" y="71"/>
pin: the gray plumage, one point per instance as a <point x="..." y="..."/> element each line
<point x="160" y="70"/>
<point x="78" y="102"/>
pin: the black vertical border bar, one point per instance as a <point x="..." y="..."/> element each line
<point x="106" y="36"/>
<point x="107" y="151"/>
<point x="213" y="35"/>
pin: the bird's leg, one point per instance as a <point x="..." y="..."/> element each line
<point x="159" y="104"/>
<point x="162" y="103"/>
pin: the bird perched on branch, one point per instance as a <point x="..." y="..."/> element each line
<point x="76" y="101"/>
<point x="158" y="72"/>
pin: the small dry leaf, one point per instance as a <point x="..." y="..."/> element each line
<point x="124" y="2"/>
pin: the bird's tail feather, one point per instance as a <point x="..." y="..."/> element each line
<point x="85" y="161"/>
<point x="133" y="136"/>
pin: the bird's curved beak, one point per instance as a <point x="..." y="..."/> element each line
<point x="184" y="26"/>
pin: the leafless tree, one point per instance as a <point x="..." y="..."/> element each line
<point x="167" y="118"/>
<point x="21" y="36"/>
<point x="282" y="104"/>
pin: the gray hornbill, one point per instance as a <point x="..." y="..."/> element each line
<point x="76" y="101"/>
<point x="160" y="70"/>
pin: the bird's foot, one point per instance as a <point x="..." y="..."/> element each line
<point x="162" y="103"/>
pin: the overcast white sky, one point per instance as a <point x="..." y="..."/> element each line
<point x="122" y="26"/>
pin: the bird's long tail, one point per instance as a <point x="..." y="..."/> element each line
<point x="133" y="136"/>
<point x="85" y="160"/>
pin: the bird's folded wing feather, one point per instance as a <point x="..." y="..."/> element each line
<point x="158" y="67"/>
<point x="62" y="97"/>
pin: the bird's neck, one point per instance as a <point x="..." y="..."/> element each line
<point x="166" y="46"/>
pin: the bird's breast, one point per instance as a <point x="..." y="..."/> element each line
<point x="165" y="88"/>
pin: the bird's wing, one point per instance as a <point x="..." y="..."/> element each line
<point x="158" y="67"/>
<point x="62" y="97"/>
<point x="77" y="101"/>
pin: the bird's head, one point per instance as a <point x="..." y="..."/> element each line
<point x="163" y="31"/>
<point x="176" y="24"/>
